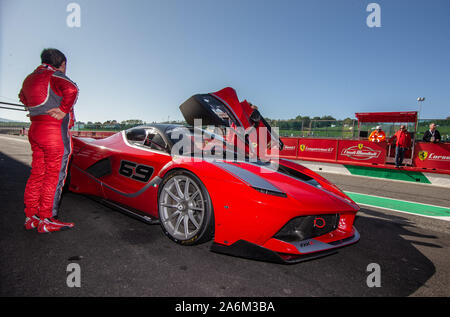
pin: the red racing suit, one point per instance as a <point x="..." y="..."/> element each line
<point x="403" y="139"/>
<point x="44" y="89"/>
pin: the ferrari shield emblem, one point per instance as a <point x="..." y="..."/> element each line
<point x="302" y="147"/>
<point x="423" y="155"/>
<point x="360" y="146"/>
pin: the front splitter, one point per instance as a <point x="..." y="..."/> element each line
<point x="310" y="249"/>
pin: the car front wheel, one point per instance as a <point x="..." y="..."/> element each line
<point x="185" y="209"/>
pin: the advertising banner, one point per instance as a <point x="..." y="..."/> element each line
<point x="290" y="148"/>
<point x="318" y="149"/>
<point x="362" y="151"/>
<point x="432" y="156"/>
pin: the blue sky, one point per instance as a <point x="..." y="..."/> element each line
<point x="141" y="59"/>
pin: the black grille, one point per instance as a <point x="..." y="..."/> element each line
<point x="307" y="227"/>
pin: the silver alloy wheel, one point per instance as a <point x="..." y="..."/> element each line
<point x="182" y="207"/>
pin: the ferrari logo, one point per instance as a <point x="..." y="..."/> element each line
<point x="360" y="146"/>
<point x="302" y="147"/>
<point x="423" y="155"/>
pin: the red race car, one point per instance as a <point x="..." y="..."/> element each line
<point x="252" y="208"/>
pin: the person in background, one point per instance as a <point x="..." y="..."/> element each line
<point x="402" y="143"/>
<point x="377" y="135"/>
<point x="50" y="97"/>
<point x="432" y="135"/>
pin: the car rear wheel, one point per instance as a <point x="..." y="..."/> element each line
<point x="185" y="209"/>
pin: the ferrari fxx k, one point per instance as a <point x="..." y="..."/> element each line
<point x="251" y="208"/>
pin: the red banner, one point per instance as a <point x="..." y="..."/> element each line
<point x="290" y="148"/>
<point x="433" y="156"/>
<point x="319" y="149"/>
<point x="362" y="152"/>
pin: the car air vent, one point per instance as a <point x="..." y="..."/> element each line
<point x="307" y="227"/>
<point x="100" y="168"/>
<point x="296" y="174"/>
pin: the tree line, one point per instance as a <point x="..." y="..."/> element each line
<point x="296" y="123"/>
<point x="299" y="123"/>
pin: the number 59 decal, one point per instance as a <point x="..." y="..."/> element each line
<point x="136" y="171"/>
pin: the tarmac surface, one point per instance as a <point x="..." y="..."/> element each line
<point x="121" y="256"/>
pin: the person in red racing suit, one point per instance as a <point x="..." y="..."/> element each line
<point x="50" y="96"/>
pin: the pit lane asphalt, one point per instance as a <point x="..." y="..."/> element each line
<point x="120" y="256"/>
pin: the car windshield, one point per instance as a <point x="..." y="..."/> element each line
<point x="189" y="141"/>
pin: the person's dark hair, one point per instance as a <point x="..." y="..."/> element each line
<point x="53" y="57"/>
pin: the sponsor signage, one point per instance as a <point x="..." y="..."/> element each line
<point x="290" y="148"/>
<point x="362" y="151"/>
<point x="432" y="156"/>
<point x="426" y="155"/>
<point x="321" y="149"/>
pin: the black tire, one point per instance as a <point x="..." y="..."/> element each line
<point x="167" y="215"/>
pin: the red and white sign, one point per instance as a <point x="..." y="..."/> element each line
<point x="362" y="151"/>
<point x="432" y="156"/>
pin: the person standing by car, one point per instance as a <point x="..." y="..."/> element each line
<point x="50" y="97"/>
<point x="432" y="135"/>
<point x="403" y="143"/>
